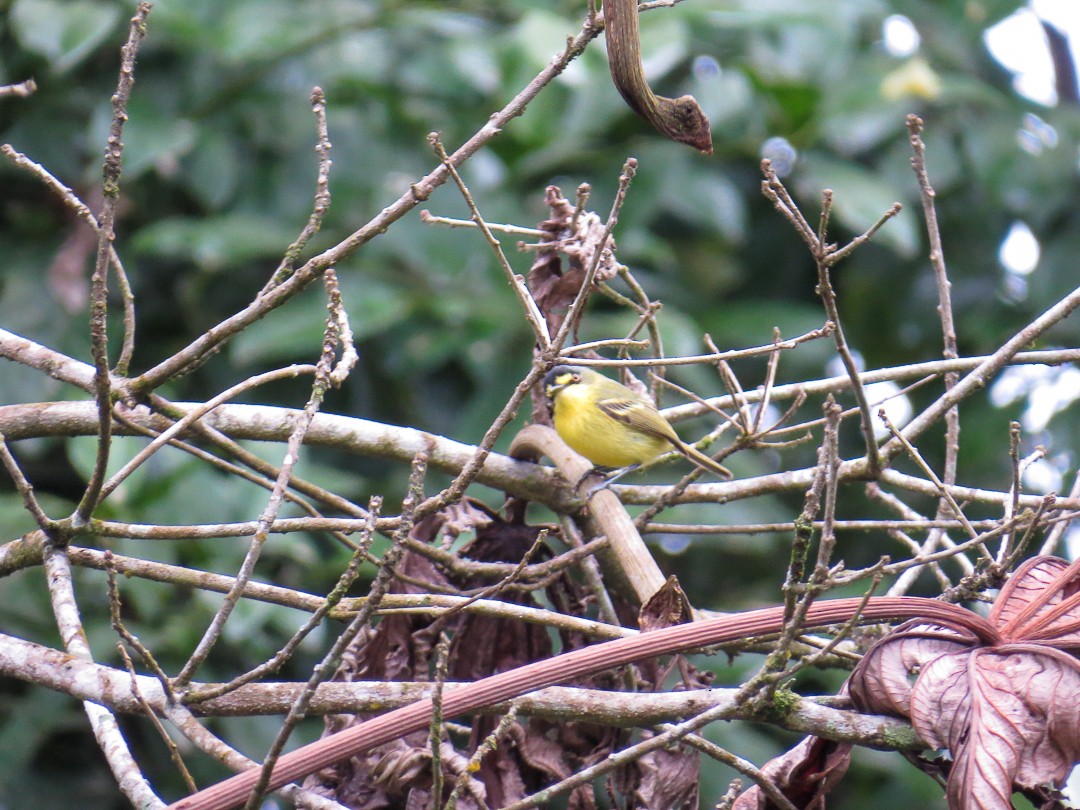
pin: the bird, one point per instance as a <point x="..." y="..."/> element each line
<point x="612" y="426"/>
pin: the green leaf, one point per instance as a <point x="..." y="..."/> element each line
<point x="64" y="32"/>
<point x="152" y="137"/>
<point x="294" y="332"/>
<point x="213" y="175"/>
<point x="214" y="243"/>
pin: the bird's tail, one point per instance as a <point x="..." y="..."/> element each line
<point x="703" y="460"/>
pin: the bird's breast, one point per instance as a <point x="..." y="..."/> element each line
<point x="604" y="441"/>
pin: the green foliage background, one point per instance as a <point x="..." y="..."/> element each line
<point x="219" y="176"/>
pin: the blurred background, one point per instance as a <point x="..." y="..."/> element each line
<point x="219" y="175"/>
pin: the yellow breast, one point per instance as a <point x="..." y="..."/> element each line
<point x="604" y="441"/>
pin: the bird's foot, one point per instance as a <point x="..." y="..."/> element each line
<point x="586" y="475"/>
<point x="608" y="480"/>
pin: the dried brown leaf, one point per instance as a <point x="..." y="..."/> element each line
<point x="805" y="775"/>
<point x="665" y="608"/>
<point x="553" y="288"/>
<point x="667" y="778"/>
<point x="1008" y="715"/>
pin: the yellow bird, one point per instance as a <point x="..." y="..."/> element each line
<point x="610" y="425"/>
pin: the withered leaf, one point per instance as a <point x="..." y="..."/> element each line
<point x="578" y="239"/>
<point x="805" y="775"/>
<point x="895" y="666"/>
<point x="1009" y="716"/>
<point x="1006" y="708"/>
<point x="667" y="779"/>
<point x="668" y="606"/>
<point x="1039" y="601"/>
<point x="1008" y="711"/>
<point x="399" y="648"/>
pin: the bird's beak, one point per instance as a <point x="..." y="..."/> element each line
<point x="554" y="383"/>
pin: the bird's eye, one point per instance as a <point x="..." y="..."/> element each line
<point x="576" y="378"/>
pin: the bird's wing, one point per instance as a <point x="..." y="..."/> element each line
<point x="639" y="416"/>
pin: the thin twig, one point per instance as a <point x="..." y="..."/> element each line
<point x="340" y="317"/>
<point x="127" y="636"/>
<point x="928" y="471"/>
<point x="804" y="532"/>
<point x="20" y="90"/>
<point x="415" y="604"/>
<point x="332" y="600"/>
<point x="590" y="570"/>
<point x="914" y="524"/>
<point x="270" y="511"/>
<point x="573" y="314"/>
<point x="840" y="383"/>
<point x="891" y="569"/>
<point x="489" y="744"/>
<point x="517" y="282"/>
<point x="838" y="255"/>
<point x="1054" y="536"/>
<point x="1014" y="488"/>
<point x="608" y="343"/>
<point x="418" y="192"/>
<point x="332" y="659"/>
<point x="24" y="487"/>
<point x="980" y="376"/>
<point x="634" y="752"/>
<point x="435" y="729"/>
<point x="178" y="427"/>
<point x="827" y="540"/>
<point x="174" y="752"/>
<point x="99" y="303"/>
<point x="647" y="310"/>
<point x="933" y="540"/>
<point x="269" y="471"/>
<point x="1017" y="549"/>
<point x="201" y="738"/>
<point x="83" y="212"/>
<point x="945" y="309"/>
<point x="430" y="219"/>
<point x="700" y="359"/>
<point x="102" y="721"/>
<point x="828" y="297"/>
<point x="322" y="193"/>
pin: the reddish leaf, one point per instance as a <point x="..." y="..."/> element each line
<point x="1040" y="601"/>
<point x="883" y="680"/>
<point x="1008" y="712"/>
<point x="1008" y="715"/>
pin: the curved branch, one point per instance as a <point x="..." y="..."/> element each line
<point x="632" y="561"/>
<point x="561" y="668"/>
<point x="681" y="119"/>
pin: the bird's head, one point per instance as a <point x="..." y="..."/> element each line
<point x="560" y="377"/>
